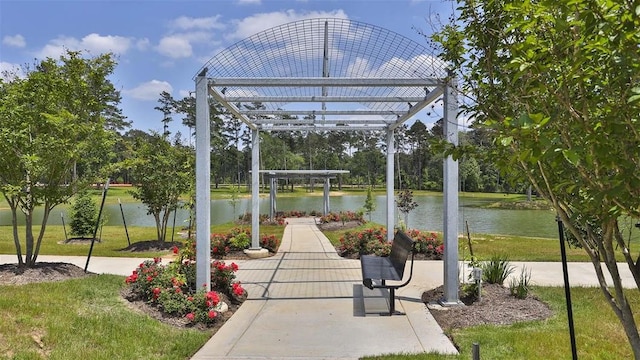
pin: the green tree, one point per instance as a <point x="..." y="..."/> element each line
<point x="84" y="213"/>
<point x="369" y="203"/>
<point x="51" y="120"/>
<point x="162" y="172"/>
<point x="558" y="86"/>
<point x="405" y="204"/>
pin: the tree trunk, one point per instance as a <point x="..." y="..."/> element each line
<point x="156" y="216"/>
<point x="621" y="306"/>
<point x="45" y="218"/>
<point x="29" y="261"/>
<point x="16" y="236"/>
<point x="165" y="222"/>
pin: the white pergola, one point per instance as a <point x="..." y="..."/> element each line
<point x="339" y="75"/>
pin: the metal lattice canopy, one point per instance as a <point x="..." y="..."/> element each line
<point x="320" y="74"/>
<point x="325" y="75"/>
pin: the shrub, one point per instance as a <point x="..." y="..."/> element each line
<point x="239" y="239"/>
<point x="427" y="244"/>
<point x="370" y="241"/>
<point x="343" y="216"/>
<point x="83" y="215"/>
<point x="270" y="242"/>
<point x="496" y="270"/>
<point x="520" y="287"/>
<point x="171" y="288"/>
<point x="219" y="246"/>
<point x="469" y="292"/>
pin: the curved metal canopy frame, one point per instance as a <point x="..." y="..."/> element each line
<point x="325" y="75"/>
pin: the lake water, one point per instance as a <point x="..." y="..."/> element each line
<point x="427" y="216"/>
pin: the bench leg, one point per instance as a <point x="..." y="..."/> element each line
<point x="392" y="303"/>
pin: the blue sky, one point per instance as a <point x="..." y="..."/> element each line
<point x="160" y="45"/>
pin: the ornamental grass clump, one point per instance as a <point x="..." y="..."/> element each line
<point x="496" y="270"/>
<point x="519" y="287"/>
<point x="172" y="287"/>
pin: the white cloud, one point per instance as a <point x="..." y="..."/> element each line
<point x="259" y="22"/>
<point x="15" y="41"/>
<point x="143" y="44"/>
<point x="189" y="23"/>
<point x="93" y="43"/>
<point x="175" y="47"/>
<point x="101" y="44"/>
<point x="150" y="90"/>
<point x="188" y="32"/>
<point x="249" y="2"/>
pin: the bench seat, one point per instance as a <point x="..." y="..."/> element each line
<point x="383" y="268"/>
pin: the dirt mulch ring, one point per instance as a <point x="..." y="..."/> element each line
<point x="152" y="245"/>
<point x="497" y="307"/>
<point x="11" y="274"/>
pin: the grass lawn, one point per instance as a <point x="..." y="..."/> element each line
<point x="114" y="239"/>
<point x="85" y="319"/>
<point x="599" y="334"/>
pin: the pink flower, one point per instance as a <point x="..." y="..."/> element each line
<point x="190" y="316"/>
<point x="237" y="289"/>
<point x="132" y="278"/>
<point x="212" y="298"/>
<point x="234" y="267"/>
<point x="212" y="314"/>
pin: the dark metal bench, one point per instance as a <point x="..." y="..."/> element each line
<point x="385" y="268"/>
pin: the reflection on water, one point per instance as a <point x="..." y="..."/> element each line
<point x="427" y="216"/>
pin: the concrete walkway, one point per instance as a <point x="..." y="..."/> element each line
<point x="308" y="303"/>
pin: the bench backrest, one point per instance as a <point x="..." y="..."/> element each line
<point x="400" y="249"/>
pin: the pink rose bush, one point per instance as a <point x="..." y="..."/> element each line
<point x="239" y="239"/>
<point x="374" y="241"/>
<point x="172" y="288"/>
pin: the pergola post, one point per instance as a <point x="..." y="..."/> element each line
<point x="203" y="183"/>
<point x="390" y="184"/>
<point x="272" y="198"/>
<point x="255" y="189"/>
<point x="326" y="196"/>
<point x="451" y="277"/>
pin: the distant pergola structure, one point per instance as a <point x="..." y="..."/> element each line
<point x="337" y="75"/>
<point x="325" y="175"/>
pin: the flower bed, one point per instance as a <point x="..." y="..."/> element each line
<point x="343" y="216"/>
<point x="374" y="241"/>
<point x="171" y="288"/>
<point x="238" y="239"/>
